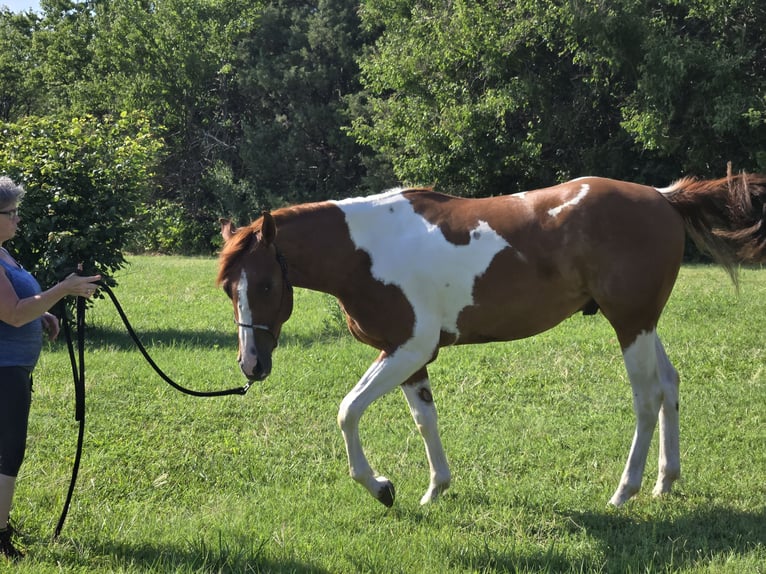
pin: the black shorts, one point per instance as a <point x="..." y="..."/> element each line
<point x="15" y="400"/>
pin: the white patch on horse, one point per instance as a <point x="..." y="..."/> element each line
<point x="245" y="318"/>
<point x="584" y="189"/>
<point x="436" y="276"/>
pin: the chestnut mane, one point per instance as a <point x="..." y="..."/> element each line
<point x="235" y="248"/>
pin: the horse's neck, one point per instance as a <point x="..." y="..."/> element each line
<point x="309" y="240"/>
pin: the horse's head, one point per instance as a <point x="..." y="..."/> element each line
<point x="253" y="274"/>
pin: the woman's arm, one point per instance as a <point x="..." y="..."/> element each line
<point x="18" y="312"/>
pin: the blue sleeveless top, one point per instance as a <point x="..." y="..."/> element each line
<point x="20" y="346"/>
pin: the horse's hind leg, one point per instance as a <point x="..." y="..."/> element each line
<point x="417" y="391"/>
<point x="670" y="455"/>
<point x="641" y="362"/>
<point x="655" y="392"/>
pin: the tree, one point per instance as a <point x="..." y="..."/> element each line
<point x="458" y="93"/>
<point x="482" y="98"/>
<point x="700" y="92"/>
<point x="249" y="98"/>
<point x="297" y="70"/>
<point x="173" y="61"/>
<point x="17" y="96"/>
<point x="169" y="60"/>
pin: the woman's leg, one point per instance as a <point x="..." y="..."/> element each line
<point x="16" y="393"/>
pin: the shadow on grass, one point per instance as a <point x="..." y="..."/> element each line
<point x="243" y="556"/>
<point x="677" y="542"/>
<point x="487" y="560"/>
<point x="118" y="338"/>
<point x="634" y="544"/>
<point x="98" y="337"/>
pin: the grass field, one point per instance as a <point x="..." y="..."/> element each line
<point x="536" y="431"/>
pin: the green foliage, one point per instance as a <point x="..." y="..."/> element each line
<point x="173" y="60"/>
<point x="16" y="95"/>
<point x="279" y="101"/>
<point x="237" y="199"/>
<point x="162" y="227"/>
<point x="495" y="97"/>
<point x="84" y="179"/>
<point x="297" y="70"/>
<point x="472" y="96"/>
<point x="685" y="77"/>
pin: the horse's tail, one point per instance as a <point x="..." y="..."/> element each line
<point x="724" y="217"/>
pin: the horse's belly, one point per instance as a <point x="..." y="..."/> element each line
<point x="512" y="321"/>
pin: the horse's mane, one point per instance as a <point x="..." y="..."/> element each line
<point x="235" y="247"/>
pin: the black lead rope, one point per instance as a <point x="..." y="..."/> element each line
<point x="235" y="391"/>
<point x="78" y="375"/>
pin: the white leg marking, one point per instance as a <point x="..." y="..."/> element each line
<point x="670" y="453"/>
<point x="380" y="378"/>
<point x="584" y="189"/>
<point x="641" y="362"/>
<point x="423" y="410"/>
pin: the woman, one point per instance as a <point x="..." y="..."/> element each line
<point x="23" y="318"/>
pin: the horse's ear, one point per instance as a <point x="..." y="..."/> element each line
<point x="227" y="228"/>
<point x="268" y="229"/>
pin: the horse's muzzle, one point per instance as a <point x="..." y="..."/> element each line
<point x="256" y="364"/>
<point x="259" y="371"/>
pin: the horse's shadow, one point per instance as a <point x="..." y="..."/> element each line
<point x="674" y="542"/>
<point x="645" y="544"/>
<point x="99" y="337"/>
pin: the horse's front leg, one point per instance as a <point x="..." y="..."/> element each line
<point x="388" y="372"/>
<point x="417" y="391"/>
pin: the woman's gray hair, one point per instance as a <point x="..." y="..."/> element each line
<point x="9" y="192"/>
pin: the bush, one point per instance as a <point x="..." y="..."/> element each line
<point x="84" y="178"/>
<point x="166" y="227"/>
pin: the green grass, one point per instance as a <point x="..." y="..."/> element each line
<point x="536" y="431"/>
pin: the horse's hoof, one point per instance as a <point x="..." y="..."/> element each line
<point x="387" y="494"/>
<point x="433" y="493"/>
<point x="624" y="493"/>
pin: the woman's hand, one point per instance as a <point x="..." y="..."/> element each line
<point x="79" y="285"/>
<point x="50" y="325"/>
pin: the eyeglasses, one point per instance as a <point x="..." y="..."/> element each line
<point x="11" y="213"/>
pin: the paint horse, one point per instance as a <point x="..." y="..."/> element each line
<point x="415" y="270"/>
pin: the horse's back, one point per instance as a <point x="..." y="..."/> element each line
<point x="581" y="244"/>
<point x="598" y="219"/>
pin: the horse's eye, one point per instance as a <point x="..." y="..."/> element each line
<point x="265" y="287"/>
<point x="227" y="288"/>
